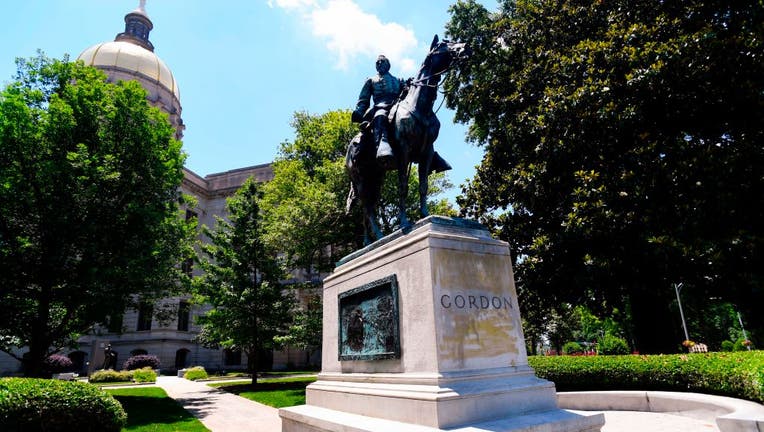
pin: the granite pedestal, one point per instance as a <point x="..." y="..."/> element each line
<point x="421" y="332"/>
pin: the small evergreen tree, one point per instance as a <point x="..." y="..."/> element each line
<point x="240" y="282"/>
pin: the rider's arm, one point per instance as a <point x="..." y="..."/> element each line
<point x="363" y="99"/>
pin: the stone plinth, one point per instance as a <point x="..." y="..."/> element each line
<point x="461" y="359"/>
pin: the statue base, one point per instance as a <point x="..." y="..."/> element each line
<point x="422" y="333"/>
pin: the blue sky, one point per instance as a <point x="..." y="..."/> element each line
<point x="245" y="66"/>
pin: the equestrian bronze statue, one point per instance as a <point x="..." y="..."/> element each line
<point x="397" y="130"/>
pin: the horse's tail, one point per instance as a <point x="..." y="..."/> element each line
<point x="351" y="199"/>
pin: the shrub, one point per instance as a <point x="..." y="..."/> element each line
<point x="29" y="404"/>
<point x="572" y="348"/>
<point x="728" y="346"/>
<point x="741" y="345"/>
<point x="58" y="363"/>
<point x="141" y="361"/>
<point x="739" y="374"/>
<point x="144" y="375"/>
<point x="110" y="375"/>
<point x="613" y="345"/>
<point x="195" y="373"/>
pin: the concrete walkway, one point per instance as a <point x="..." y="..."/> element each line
<point x="637" y="421"/>
<point x="224" y="412"/>
<point x="220" y="411"/>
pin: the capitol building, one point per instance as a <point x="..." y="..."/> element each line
<point x="130" y="56"/>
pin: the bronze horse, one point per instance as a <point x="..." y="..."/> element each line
<point x="413" y="130"/>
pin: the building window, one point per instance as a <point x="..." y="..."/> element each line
<point x="114" y="325"/>
<point x="188" y="265"/>
<point x="184" y="312"/>
<point x="144" y="316"/>
<point x="232" y="357"/>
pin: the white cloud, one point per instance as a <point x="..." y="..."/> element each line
<point x="291" y="4"/>
<point x="350" y="33"/>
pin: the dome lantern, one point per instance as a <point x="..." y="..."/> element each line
<point x="137" y="28"/>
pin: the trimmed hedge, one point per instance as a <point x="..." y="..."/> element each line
<point x="195" y="373"/>
<point x="110" y="375"/>
<point x="31" y="404"/>
<point x="144" y="375"/>
<point x="739" y="374"/>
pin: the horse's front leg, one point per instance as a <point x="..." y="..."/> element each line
<point x="403" y="191"/>
<point x="424" y="170"/>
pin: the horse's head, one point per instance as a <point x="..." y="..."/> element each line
<point x="443" y="54"/>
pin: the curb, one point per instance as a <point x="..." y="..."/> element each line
<point x="730" y="414"/>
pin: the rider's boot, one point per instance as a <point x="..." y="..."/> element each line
<point x="385" y="156"/>
<point x="438" y="164"/>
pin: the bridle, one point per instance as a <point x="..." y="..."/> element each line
<point x="422" y="82"/>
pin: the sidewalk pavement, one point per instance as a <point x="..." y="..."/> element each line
<point x="220" y="411"/>
<point x="638" y="421"/>
<point x="225" y="412"/>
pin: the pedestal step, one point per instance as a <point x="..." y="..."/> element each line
<point x="306" y="418"/>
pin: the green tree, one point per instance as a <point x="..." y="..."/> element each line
<point x="623" y="151"/>
<point x="89" y="219"/>
<point x="306" y="331"/>
<point x="241" y="282"/>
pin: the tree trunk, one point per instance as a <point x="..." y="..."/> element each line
<point x="653" y="327"/>
<point x="38" y="341"/>
<point x="253" y="358"/>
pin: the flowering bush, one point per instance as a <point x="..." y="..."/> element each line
<point x="141" y="361"/>
<point x="688" y="344"/>
<point x="58" y="363"/>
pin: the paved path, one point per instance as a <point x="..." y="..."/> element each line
<point x="220" y="411"/>
<point x="225" y="412"/>
<point x="637" y="421"/>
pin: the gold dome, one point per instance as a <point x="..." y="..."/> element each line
<point x="130" y="58"/>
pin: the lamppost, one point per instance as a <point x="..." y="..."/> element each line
<point x="677" y="288"/>
<point x="745" y="336"/>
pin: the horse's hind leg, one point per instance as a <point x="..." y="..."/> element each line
<point x="424" y="169"/>
<point x="403" y="191"/>
<point x="371" y="223"/>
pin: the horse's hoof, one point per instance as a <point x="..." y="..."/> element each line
<point x="405" y="225"/>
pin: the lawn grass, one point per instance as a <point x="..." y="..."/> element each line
<point x="283" y="373"/>
<point x="275" y="392"/>
<point x="149" y="409"/>
<point x="115" y="384"/>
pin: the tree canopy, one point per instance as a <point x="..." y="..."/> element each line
<point x="623" y="146"/>
<point x="89" y="220"/>
<point x="241" y="282"/>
